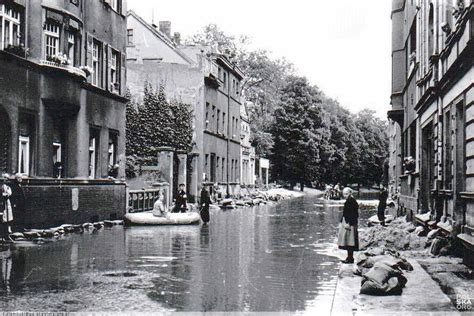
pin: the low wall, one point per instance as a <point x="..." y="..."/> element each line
<point x="52" y="202"/>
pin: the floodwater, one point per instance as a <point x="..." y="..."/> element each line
<point x="268" y="258"/>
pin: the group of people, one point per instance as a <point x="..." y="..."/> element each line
<point x="348" y="236"/>
<point x="181" y="205"/>
<point x="333" y="192"/>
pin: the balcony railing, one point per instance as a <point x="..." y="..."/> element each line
<point x="71" y="69"/>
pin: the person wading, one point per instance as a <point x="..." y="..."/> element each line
<point x="348" y="237"/>
<point x="205" y="202"/>
<point x="383" y="196"/>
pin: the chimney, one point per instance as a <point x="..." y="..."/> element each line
<point x="165" y="28"/>
<point x="177" y="38"/>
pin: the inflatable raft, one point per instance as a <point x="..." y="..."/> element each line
<point x="147" y="218"/>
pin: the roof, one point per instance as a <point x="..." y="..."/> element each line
<point x="223" y="60"/>
<point x="160" y="35"/>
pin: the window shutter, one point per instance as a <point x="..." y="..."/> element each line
<point x="89" y="43"/>
<point x="105" y="67"/>
<point x="109" y="67"/>
<point x="123" y="73"/>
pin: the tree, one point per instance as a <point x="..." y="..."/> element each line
<point x="374" y="148"/>
<point x="153" y="124"/>
<point x="300" y="133"/>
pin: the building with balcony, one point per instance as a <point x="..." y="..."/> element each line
<point x="432" y="98"/>
<point x="62" y="109"/>
<point x="193" y="75"/>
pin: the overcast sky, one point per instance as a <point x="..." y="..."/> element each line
<point x="342" y="46"/>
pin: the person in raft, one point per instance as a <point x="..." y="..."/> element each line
<point x="181" y="199"/>
<point x="383" y="196"/>
<point x="348" y="237"/>
<point x="159" y="208"/>
<point x="205" y="202"/>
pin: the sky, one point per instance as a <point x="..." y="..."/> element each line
<point x="342" y="46"/>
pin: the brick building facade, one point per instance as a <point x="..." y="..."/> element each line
<point x="62" y="110"/>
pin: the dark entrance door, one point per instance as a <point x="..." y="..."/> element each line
<point x="460" y="164"/>
<point x="427" y="170"/>
<point x="5" y="130"/>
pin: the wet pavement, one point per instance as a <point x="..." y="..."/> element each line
<point x="267" y="258"/>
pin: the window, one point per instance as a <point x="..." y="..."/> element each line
<point x="218" y="120"/>
<point x="130" y="37"/>
<point x="9" y="26"/>
<point x="225" y="80"/>
<point x="206" y="168"/>
<point x="217" y="168"/>
<point x="237" y="88"/>
<point x="115" y="71"/>
<point x="223" y="170"/>
<point x="71" y="47"/>
<point x="115" y="4"/>
<point x="93" y="145"/>
<point x="448" y="152"/>
<point x="51" y="39"/>
<point x="24" y="155"/>
<point x="223" y="123"/>
<point x="112" y="153"/>
<point x="207" y="115"/>
<point x="57" y="160"/>
<point x="213" y="113"/>
<point x="431" y="48"/>
<point x="96" y="63"/>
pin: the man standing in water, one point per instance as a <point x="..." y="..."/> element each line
<point x="383" y="196"/>
<point x="205" y="202"/>
<point x="181" y="199"/>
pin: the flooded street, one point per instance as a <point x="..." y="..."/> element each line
<point x="269" y="258"/>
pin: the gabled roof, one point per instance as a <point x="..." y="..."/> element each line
<point x="160" y="35"/>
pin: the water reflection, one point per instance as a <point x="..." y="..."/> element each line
<point x="275" y="258"/>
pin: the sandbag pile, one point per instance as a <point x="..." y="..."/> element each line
<point x="400" y="235"/>
<point x="42" y="235"/>
<point x="381" y="270"/>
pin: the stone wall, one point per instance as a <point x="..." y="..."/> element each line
<point x="52" y="202"/>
